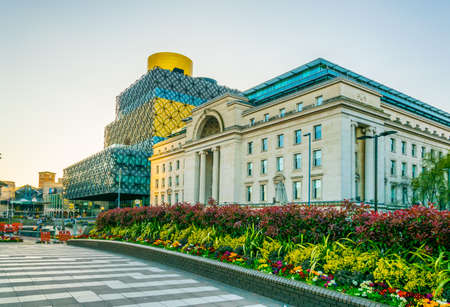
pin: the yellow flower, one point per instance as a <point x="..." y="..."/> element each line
<point x="262" y="260"/>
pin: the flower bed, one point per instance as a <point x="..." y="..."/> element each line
<point x="348" y="249"/>
<point x="8" y="239"/>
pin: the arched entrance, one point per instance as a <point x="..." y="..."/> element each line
<point x="210" y="126"/>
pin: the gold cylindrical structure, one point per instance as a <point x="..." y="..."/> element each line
<point x="170" y="61"/>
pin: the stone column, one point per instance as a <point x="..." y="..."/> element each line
<point x="215" y="175"/>
<point x="202" y="187"/>
<point x="352" y="160"/>
<point x="369" y="165"/>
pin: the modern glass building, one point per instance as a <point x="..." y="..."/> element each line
<point x="148" y="111"/>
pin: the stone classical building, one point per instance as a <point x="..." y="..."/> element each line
<point x="254" y="147"/>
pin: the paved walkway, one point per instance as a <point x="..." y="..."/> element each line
<point x="61" y="275"/>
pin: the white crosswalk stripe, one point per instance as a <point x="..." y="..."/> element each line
<point x="59" y="259"/>
<point x="52" y="262"/>
<point x="134" y="263"/>
<point x="80" y="271"/>
<point x="113" y="284"/>
<point x="137" y="275"/>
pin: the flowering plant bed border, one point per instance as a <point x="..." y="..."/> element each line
<point x="276" y="287"/>
<point x="7" y="239"/>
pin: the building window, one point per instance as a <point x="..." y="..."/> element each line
<point x="156" y="200"/>
<point x="413" y="150"/>
<point x="393" y="167"/>
<point x="164" y="168"/>
<point x="319" y="100"/>
<point x="162" y="199"/>
<point x="262" y="192"/>
<point x="252" y="122"/>
<point x="177" y="180"/>
<point x="266" y="117"/>
<point x="403" y="147"/>
<point x="318" y="132"/>
<point x="280" y="164"/>
<point x="176" y="198"/>
<point x="156" y="183"/>
<point x="317" y="157"/>
<point x="263" y="166"/>
<point x="250" y="148"/>
<point x="178" y="164"/>
<point x="299" y="106"/>
<point x="249" y="168"/>
<point x="170" y="181"/>
<point x="169" y="199"/>
<point x="264" y="144"/>
<point x="404" y="169"/>
<point x="404" y="195"/>
<point x="432" y="153"/>
<point x="282" y="112"/>
<point x="170" y="166"/>
<point x="422" y="153"/>
<point x="249" y="193"/>
<point x="392" y="142"/>
<point x="414" y="171"/>
<point x="163" y="182"/>
<point x="393" y="194"/>
<point x="296" y="188"/>
<point x="298" y="136"/>
<point x="280" y="140"/>
<point x="317" y="189"/>
<point x="157" y="169"/>
<point x="440" y="155"/>
<point x="297" y="161"/>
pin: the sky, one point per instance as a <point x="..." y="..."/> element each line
<point x="62" y="63"/>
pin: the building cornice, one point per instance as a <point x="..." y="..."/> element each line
<point x="166" y="154"/>
<point x="415" y="116"/>
<point x="328" y="104"/>
<point x="238" y="98"/>
<point x="169" y="140"/>
<point x="308" y="90"/>
<point x="409" y="129"/>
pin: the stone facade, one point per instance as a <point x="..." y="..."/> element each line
<point x="237" y="152"/>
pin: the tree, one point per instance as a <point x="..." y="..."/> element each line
<point x="432" y="185"/>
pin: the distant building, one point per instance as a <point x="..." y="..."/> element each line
<point x="52" y="194"/>
<point x="7" y="193"/>
<point x="7" y="189"/>
<point x="28" y="201"/>
<point x="252" y="148"/>
<point x="45" y="178"/>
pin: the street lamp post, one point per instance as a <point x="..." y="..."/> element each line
<point x="118" y="193"/>
<point x="375" y="137"/>
<point x="309" y="167"/>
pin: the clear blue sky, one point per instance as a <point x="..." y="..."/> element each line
<point x="62" y="63"/>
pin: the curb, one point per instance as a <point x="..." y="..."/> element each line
<point x="276" y="287"/>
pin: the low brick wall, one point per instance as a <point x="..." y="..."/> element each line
<point x="282" y="289"/>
